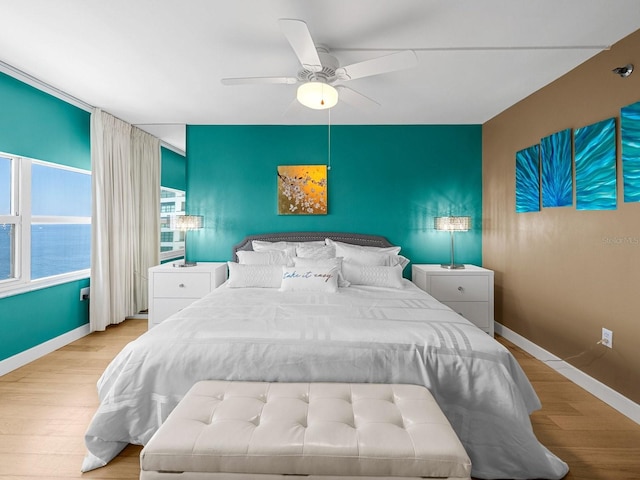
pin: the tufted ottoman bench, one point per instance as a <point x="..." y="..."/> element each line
<point x="254" y="430"/>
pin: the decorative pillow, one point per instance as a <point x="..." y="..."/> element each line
<point x="317" y="279"/>
<point x="335" y="262"/>
<point x="316" y="251"/>
<point x="262" y="276"/>
<point x="266" y="257"/>
<point x="373" y="275"/>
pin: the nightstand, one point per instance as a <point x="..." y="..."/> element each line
<point x="468" y="291"/>
<point x="173" y="288"/>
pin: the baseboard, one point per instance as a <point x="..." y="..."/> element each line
<point x="608" y="395"/>
<point x="22" y="358"/>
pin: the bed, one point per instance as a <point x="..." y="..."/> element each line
<point x="379" y="329"/>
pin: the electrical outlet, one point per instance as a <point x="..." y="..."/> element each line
<point x="84" y="293"/>
<point x="607" y="338"/>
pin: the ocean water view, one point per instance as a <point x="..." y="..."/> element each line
<point x="56" y="193"/>
<point x="55" y="249"/>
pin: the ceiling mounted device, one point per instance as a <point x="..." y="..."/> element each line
<point x="624" y="71"/>
<point x="321" y="74"/>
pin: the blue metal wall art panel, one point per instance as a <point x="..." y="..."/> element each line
<point x="528" y="180"/>
<point x="557" y="182"/>
<point x="595" y="157"/>
<point x="630" y="128"/>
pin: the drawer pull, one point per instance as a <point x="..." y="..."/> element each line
<point x="181" y="285"/>
<point x="461" y="290"/>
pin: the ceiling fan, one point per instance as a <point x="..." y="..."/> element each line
<point x="321" y="74"/>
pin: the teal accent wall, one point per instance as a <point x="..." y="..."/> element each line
<point x="174" y="169"/>
<point x="389" y="180"/>
<point x="35" y="317"/>
<point x="37" y="125"/>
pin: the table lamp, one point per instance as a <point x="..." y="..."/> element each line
<point x="452" y="224"/>
<point x="185" y="223"/>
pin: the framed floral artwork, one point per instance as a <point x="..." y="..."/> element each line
<point x="302" y="190"/>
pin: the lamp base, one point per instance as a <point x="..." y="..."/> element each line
<point x="452" y="266"/>
<point x="185" y="264"/>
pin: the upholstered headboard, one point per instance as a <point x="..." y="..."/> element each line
<point x="352" y="238"/>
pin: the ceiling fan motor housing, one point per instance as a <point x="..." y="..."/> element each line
<point x="329" y="66"/>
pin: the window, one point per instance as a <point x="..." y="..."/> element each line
<point x="45" y="223"/>
<point x="8" y="220"/>
<point x="166" y="237"/>
<point x="172" y="203"/>
<point x="167" y="207"/>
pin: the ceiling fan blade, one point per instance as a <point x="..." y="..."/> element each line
<point x="295" y="109"/>
<point x="376" y="66"/>
<point x="259" y="80"/>
<point x="297" y="33"/>
<point x="355" y="99"/>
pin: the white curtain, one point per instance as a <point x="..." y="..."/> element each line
<point x="145" y="154"/>
<point x="125" y="218"/>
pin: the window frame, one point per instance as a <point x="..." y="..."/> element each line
<point x="22" y="218"/>
<point x="13" y="217"/>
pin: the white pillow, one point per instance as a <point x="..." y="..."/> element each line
<point x="316" y="279"/>
<point x="316" y="251"/>
<point x="323" y="262"/>
<point x="262" y="276"/>
<point x="382" y="256"/>
<point x="373" y="275"/>
<point x="289" y="247"/>
<point x="363" y="257"/>
<point x="260" y="246"/>
<point x="393" y="250"/>
<point x="394" y="260"/>
<point x="266" y="257"/>
<point x="371" y="257"/>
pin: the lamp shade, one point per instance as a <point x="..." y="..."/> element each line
<point x="317" y="95"/>
<point x="188" y="222"/>
<point x="452" y="224"/>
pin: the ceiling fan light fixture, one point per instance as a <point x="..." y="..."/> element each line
<point x="317" y="95"/>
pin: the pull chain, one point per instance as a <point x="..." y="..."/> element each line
<point x="329" y="142"/>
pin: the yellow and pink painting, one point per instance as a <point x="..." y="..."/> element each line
<point x="302" y="190"/>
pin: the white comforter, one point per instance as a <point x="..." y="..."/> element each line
<point x="360" y="334"/>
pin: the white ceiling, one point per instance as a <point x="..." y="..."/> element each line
<point x="158" y="63"/>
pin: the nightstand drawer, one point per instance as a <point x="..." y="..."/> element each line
<point x="182" y="285"/>
<point x="460" y="288"/>
<point x="467" y="291"/>
<point x="163" y="308"/>
<point x="476" y="312"/>
<point x="173" y="288"/>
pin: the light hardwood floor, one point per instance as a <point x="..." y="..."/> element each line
<point x="45" y="408"/>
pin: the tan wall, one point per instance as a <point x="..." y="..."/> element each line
<point x="558" y="278"/>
